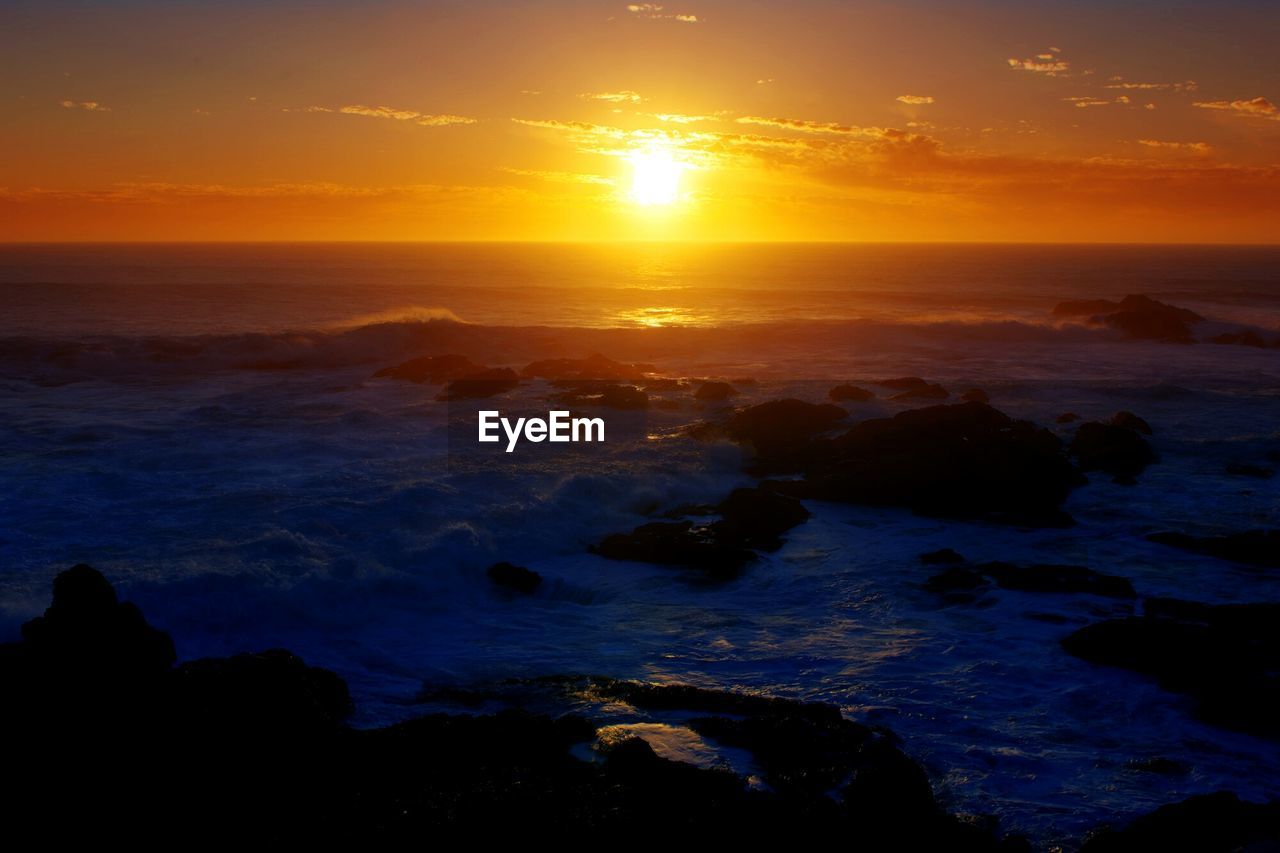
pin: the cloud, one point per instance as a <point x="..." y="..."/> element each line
<point x="655" y="10"/>
<point x="625" y="96"/>
<point x="1257" y="107"/>
<point x="562" y="177"/>
<point x="765" y="81"/>
<point x="805" y="126"/>
<point x="1086" y="101"/>
<point x="916" y="99"/>
<point x="681" y="118"/>
<point x="1121" y="83"/>
<point x="1194" y="147"/>
<point x="1048" y="63"/>
<point x="424" y="119"/>
<point x="90" y="106"/>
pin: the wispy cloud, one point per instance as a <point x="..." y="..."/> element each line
<point x="683" y="118"/>
<point x="805" y="126"/>
<point x="1121" y="83"/>
<point x="1257" y="107"/>
<point x="1194" y="147"/>
<point x="90" y="106"/>
<point x="424" y="119"/>
<point x="562" y="177"/>
<point x="916" y="99"/>
<point x="1087" y="101"/>
<point x="625" y="96"/>
<point x="655" y="10"/>
<point x="1049" y="63"/>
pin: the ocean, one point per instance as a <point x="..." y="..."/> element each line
<point x="202" y="424"/>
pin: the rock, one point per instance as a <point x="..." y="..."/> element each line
<point x="1252" y="547"/>
<point x="780" y="431"/>
<point x="1227" y="657"/>
<point x="1159" y="765"/>
<point x="486" y="383"/>
<point x="903" y="383"/>
<point x="1208" y="823"/>
<point x="1143" y="318"/>
<point x="849" y="394"/>
<point x="751" y="518"/>
<point x="945" y="555"/>
<point x="1056" y="578"/>
<point x="961" y="461"/>
<point x="594" y="366"/>
<point x="1244" y="339"/>
<point x="1245" y="469"/>
<point x="975" y="395"/>
<point x="86" y="635"/>
<point x="924" y="392"/>
<point x="515" y="577"/>
<point x="1068" y="418"/>
<point x="433" y="369"/>
<point x="955" y="579"/>
<point x="1085" y="307"/>
<point x="272" y="691"/>
<point x="710" y="392"/>
<point x="1128" y="420"/>
<point x="1116" y="450"/>
<point x="623" y="397"/>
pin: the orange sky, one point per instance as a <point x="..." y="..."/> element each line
<point x="994" y="121"/>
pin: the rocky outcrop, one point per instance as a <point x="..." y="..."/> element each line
<point x="1116" y="450"/>
<point x="714" y="392"/>
<point x="515" y="577"/>
<point x="486" y="383"/>
<point x="1209" y="823"/>
<point x="594" y="366"/>
<point x="1136" y="316"/>
<point x="433" y="369"/>
<point x="849" y="394"/>
<point x="1252" y="547"/>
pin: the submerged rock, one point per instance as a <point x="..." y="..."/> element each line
<point x="1227" y="656"/>
<point x="1252" y="547"/>
<point x="514" y="577"/>
<point x="849" y="394"/>
<point x="903" y="383"/>
<point x="433" y="369"/>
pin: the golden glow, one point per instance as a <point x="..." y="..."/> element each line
<point x="655" y="177"/>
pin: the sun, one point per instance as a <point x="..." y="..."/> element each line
<point x="655" y="177"/>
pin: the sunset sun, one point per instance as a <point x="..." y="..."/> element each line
<point x="655" y="178"/>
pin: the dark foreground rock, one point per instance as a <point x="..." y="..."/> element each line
<point x="1210" y="823"/>
<point x="1227" y="657"/>
<point x="750" y="519"/>
<point x="255" y="747"/>
<point x="486" y="383"/>
<point x="1252" y="547"/>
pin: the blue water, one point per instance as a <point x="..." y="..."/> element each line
<point x="201" y="424"/>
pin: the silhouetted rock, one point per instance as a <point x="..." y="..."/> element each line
<point x="710" y="392"/>
<point x="515" y="577"/>
<point x="1142" y="317"/>
<point x="966" y="460"/>
<point x="750" y="518"/>
<point x="1253" y="547"/>
<point x="1208" y="823"/>
<point x="1225" y="656"/>
<point x="850" y="394"/>
<point x="924" y="392"/>
<point x="955" y="579"/>
<point x="975" y="395"/>
<point x="1068" y="418"/>
<point x="1056" y="578"/>
<point x="1085" y="307"/>
<point x="594" y="366"/>
<point x="624" y="397"/>
<point x="903" y="383"/>
<point x="1129" y="420"/>
<point x="433" y="369"/>
<point x="944" y="555"/>
<point x="1244" y="339"/>
<point x="1116" y="450"/>
<point x="271" y="691"/>
<point x="486" y="383"/>
<point x="87" y="635"/>
<point x="781" y="431"/>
